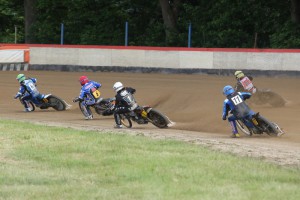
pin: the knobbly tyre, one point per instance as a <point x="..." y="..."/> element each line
<point x="145" y="115"/>
<point x="260" y="125"/>
<point x="49" y="101"/>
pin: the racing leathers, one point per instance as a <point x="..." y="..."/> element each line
<point x="235" y="103"/>
<point x="28" y="90"/>
<point x="245" y="84"/>
<point x="125" y="103"/>
<point x="89" y="95"/>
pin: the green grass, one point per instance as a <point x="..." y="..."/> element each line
<point x="38" y="162"/>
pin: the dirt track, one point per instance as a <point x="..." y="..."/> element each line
<point x="194" y="102"/>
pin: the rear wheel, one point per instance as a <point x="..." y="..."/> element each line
<point x="243" y="128"/>
<point x="125" y="121"/>
<point x="268" y="127"/>
<point x="100" y="108"/>
<point x="158" y="119"/>
<point x="56" y="103"/>
<point x="105" y="107"/>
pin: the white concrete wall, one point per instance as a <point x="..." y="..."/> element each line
<point x="180" y="59"/>
<point x="11" y="56"/>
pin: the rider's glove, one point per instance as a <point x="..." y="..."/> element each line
<point x="76" y="99"/>
<point x="224" y="117"/>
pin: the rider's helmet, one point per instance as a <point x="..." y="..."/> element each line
<point x="228" y="90"/>
<point x="21" y="78"/>
<point x="83" y="80"/>
<point x="118" y="86"/>
<point x="239" y="74"/>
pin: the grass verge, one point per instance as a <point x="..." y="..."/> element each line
<point x="39" y="162"/>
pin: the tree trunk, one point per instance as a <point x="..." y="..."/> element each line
<point x="170" y="14"/>
<point x="295" y="10"/>
<point x="30" y="16"/>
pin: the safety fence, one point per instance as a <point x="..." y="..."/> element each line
<point x="221" y="61"/>
<point x="14" y="57"/>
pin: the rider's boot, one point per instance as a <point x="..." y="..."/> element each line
<point x="88" y="117"/>
<point x="118" y="126"/>
<point x="235" y="133"/>
<point x="27" y="110"/>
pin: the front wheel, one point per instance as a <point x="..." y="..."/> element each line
<point x="125" y="121"/>
<point x="30" y="104"/>
<point x="86" y="111"/>
<point x="158" y="119"/>
<point x="243" y="128"/>
<point x="56" y="103"/>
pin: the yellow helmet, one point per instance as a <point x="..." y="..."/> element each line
<point x="239" y="74"/>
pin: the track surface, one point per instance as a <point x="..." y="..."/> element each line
<point x="194" y="102"/>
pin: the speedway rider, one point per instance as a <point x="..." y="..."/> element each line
<point x="28" y="90"/>
<point x="235" y="103"/>
<point x="125" y="101"/>
<point x="244" y="83"/>
<point x="89" y="94"/>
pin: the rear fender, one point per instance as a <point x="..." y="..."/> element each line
<point x="47" y="96"/>
<point x="147" y="108"/>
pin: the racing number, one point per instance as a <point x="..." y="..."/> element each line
<point x="31" y="86"/>
<point x="96" y="93"/>
<point x="237" y="99"/>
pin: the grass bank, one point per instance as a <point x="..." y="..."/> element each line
<point x="39" y="162"/>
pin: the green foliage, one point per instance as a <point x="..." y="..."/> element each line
<point x="11" y="16"/>
<point x="287" y="36"/>
<point x="215" y="23"/>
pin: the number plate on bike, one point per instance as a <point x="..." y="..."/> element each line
<point x="96" y="93"/>
<point x="144" y="114"/>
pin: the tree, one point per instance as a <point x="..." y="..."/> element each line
<point x="11" y="20"/>
<point x="30" y="19"/>
<point x="216" y="23"/>
<point x="170" y="11"/>
<point x="295" y="10"/>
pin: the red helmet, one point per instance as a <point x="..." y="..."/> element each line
<point x="83" y="80"/>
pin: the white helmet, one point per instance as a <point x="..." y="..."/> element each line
<point x="118" y="86"/>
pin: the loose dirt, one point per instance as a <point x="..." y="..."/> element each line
<point x="193" y="102"/>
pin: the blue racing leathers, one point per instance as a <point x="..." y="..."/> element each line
<point x="28" y="90"/>
<point x="235" y="103"/>
<point x="89" y="95"/>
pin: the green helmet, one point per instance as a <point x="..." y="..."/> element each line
<point x="21" y="78"/>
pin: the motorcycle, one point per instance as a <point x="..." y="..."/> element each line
<point x="49" y="101"/>
<point x="260" y="125"/>
<point x="145" y="115"/>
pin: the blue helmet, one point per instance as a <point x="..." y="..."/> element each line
<point x="227" y="90"/>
